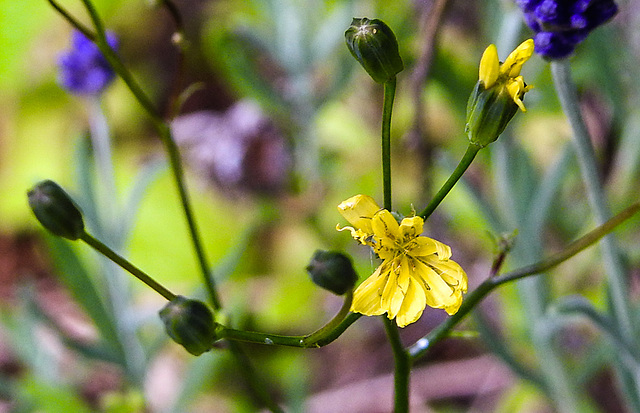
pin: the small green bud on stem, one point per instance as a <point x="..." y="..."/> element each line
<point x="332" y="271"/>
<point x="55" y="210"/>
<point x="374" y="45"/>
<point x="189" y="323"/>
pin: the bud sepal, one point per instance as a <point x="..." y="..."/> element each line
<point x="189" y="323"/>
<point x="374" y="45"/>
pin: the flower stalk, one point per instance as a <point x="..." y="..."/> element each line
<point x="122" y="262"/>
<point x="389" y="95"/>
<point x="463" y="165"/>
<point x="472" y="299"/>
<point x="171" y="148"/>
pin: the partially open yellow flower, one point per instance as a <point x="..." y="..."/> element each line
<point x="415" y="272"/>
<point x="507" y="74"/>
<point x="498" y="94"/>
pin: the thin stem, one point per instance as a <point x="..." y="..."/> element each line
<point x="170" y="146"/>
<point x="72" y="20"/>
<point x="402" y="368"/>
<point x="420" y="348"/>
<point x="313" y="338"/>
<point x="389" y="95"/>
<point x="467" y="158"/>
<point x="122" y="262"/>
<point x="173" y="106"/>
<point x="566" y="90"/>
<point x="323" y="336"/>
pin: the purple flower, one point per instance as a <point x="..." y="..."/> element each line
<point x="83" y="68"/>
<point x="560" y="25"/>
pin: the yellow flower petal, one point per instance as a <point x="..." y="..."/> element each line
<point x="397" y="285"/>
<point x="359" y="210"/>
<point x="367" y="297"/>
<point x="386" y="232"/>
<point x="512" y="66"/>
<point x="437" y="290"/>
<point x="424" y="246"/>
<point x="489" y="66"/>
<point x="453" y="274"/>
<point x="385" y="225"/>
<point x="516" y="89"/>
<point x="412" y="306"/>
<point x="411" y="228"/>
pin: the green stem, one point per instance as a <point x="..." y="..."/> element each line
<point x="467" y="158"/>
<point x="170" y="146"/>
<point x="72" y="20"/>
<point x="389" y="95"/>
<point x="402" y="368"/>
<point x="421" y="347"/>
<point x="323" y="336"/>
<point x="566" y="90"/>
<point x="313" y="338"/>
<point x="173" y="106"/>
<point x="135" y="271"/>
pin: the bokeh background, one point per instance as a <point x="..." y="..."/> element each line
<point x="280" y="127"/>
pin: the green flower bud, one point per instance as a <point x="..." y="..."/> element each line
<point x="332" y="271"/>
<point x="189" y="323"/>
<point x="488" y="113"/>
<point x="374" y="45"/>
<point x="55" y="210"/>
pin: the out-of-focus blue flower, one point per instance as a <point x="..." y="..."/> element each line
<point x="560" y="25"/>
<point x="83" y="68"/>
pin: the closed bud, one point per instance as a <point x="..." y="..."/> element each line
<point x="488" y="114"/>
<point x="189" y="323"/>
<point x="332" y="271"/>
<point x="55" y="210"/>
<point x="374" y="45"/>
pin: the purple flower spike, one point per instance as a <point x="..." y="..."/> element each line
<point x="83" y="68"/>
<point x="560" y="25"/>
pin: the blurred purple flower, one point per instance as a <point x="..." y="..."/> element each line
<point x="83" y="68"/>
<point x="560" y="25"/>
<point x="239" y="150"/>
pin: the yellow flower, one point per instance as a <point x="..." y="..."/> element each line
<point x="415" y="272"/>
<point x="497" y="95"/>
<point x="506" y="75"/>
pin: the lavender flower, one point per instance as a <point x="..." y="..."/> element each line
<point x="560" y="25"/>
<point x="83" y="68"/>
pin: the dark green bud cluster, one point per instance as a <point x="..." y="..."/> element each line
<point x="189" y="323"/>
<point x="489" y="111"/>
<point x="55" y="210"/>
<point x="332" y="271"/>
<point x="374" y="45"/>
